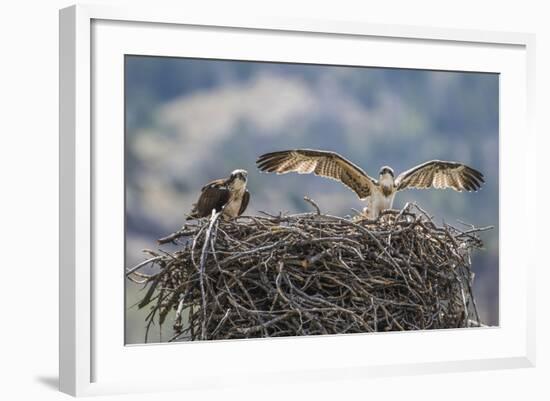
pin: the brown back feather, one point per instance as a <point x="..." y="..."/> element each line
<point x="244" y="202"/>
<point x="214" y="195"/>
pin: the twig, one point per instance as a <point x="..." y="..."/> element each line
<point x="312" y="203"/>
<point x="174" y="236"/>
<point x="142" y="264"/>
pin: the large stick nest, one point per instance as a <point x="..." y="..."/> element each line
<point x="311" y="273"/>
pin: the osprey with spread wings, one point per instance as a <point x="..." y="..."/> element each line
<point x="379" y="194"/>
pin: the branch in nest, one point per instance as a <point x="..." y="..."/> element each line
<point x="312" y="203"/>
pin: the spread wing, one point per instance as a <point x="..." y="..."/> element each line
<point x="244" y="202"/>
<point x="441" y="174"/>
<point x="214" y="195"/>
<point x="325" y="164"/>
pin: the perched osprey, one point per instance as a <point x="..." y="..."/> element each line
<point x="227" y="194"/>
<point x="379" y="193"/>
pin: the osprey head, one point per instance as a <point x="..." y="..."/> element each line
<point x="386" y="170"/>
<point x="239" y="175"/>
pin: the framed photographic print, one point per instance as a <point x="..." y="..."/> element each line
<point x="243" y="191"/>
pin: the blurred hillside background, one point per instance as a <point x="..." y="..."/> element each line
<point x="189" y="121"/>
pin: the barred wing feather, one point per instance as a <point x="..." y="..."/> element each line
<point x="322" y="163"/>
<point x="441" y="174"/>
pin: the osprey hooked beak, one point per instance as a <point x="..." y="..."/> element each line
<point x="239" y="174"/>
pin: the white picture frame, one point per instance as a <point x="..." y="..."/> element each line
<point x="93" y="360"/>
